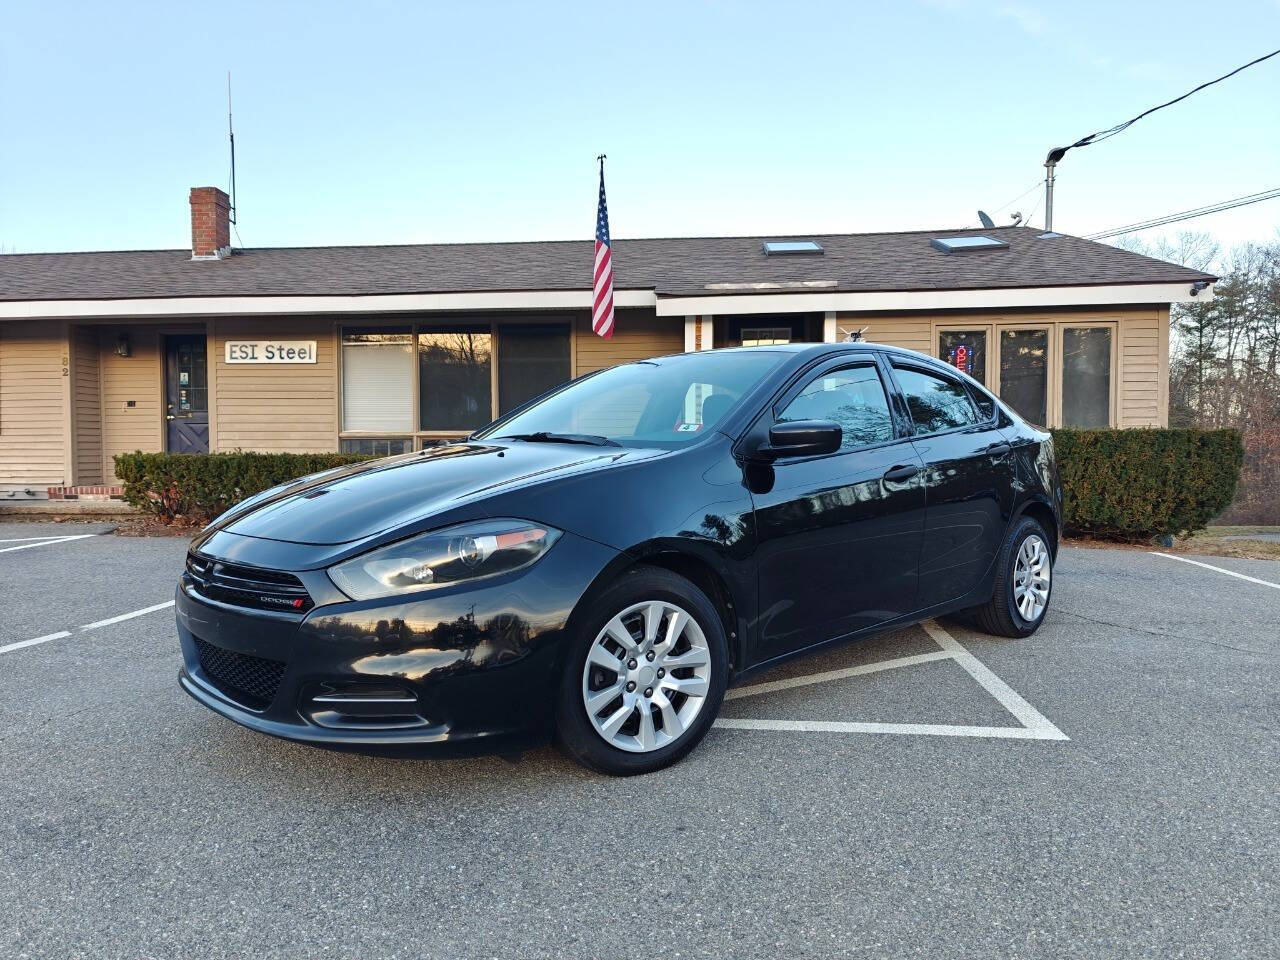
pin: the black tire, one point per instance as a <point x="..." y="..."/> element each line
<point x="1000" y="615"/>
<point x="576" y="734"/>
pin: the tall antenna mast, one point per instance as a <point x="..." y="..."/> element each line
<point x="232" y="134"/>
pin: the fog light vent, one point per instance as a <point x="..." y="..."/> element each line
<point x="364" y="706"/>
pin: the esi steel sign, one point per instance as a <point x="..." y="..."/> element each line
<point x="271" y="351"/>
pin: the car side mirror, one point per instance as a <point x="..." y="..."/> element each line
<point x="801" y="438"/>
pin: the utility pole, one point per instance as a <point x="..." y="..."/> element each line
<point x="1050" y="165"/>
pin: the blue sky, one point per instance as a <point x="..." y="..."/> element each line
<point x="417" y="122"/>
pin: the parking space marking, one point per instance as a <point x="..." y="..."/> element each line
<point x="1210" y="566"/>
<point x="63" y="634"/>
<point x="34" y="640"/>
<point x="1033" y="724"/>
<point x="755" y="689"/>
<point x="44" y="541"/>
<point x="127" y="616"/>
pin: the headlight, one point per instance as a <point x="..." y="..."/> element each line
<point x="470" y="551"/>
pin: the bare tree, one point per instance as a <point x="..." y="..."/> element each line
<point x="1225" y="359"/>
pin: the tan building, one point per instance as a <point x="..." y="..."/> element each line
<point x="384" y="349"/>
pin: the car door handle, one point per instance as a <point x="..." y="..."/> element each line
<point x="998" y="449"/>
<point x="900" y="473"/>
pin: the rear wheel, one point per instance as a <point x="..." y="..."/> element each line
<point x="646" y="674"/>
<point x="1024" y="583"/>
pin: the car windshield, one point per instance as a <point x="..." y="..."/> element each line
<point x="654" y="403"/>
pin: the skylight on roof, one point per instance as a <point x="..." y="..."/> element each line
<point x="967" y="244"/>
<point x="794" y="248"/>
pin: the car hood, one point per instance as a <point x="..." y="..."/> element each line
<point x="360" y="502"/>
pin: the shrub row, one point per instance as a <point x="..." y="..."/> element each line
<point x="192" y="489"/>
<point x="1138" y="484"/>
<point x="1118" y="484"/>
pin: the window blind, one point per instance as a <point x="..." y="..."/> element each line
<point x="377" y="386"/>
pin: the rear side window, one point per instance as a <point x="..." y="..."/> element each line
<point x="985" y="401"/>
<point x="853" y="397"/>
<point x="936" y="403"/>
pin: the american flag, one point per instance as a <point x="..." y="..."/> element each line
<point x="602" y="287"/>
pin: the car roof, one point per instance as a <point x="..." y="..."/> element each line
<point x="807" y="349"/>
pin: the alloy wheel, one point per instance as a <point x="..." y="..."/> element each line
<point x="646" y="677"/>
<point x="1031" y="572"/>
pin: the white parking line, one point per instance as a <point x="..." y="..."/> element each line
<point x="1210" y="566"/>
<point x="127" y="616"/>
<point x="45" y="542"/>
<point x="755" y="689"/>
<point x="34" y="640"/>
<point x="1034" y="724"/>
<point x="45" y="537"/>
<point x="914" y="729"/>
<point x="62" y="634"/>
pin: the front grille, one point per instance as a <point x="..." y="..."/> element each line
<point x="247" y="586"/>
<point x="250" y="680"/>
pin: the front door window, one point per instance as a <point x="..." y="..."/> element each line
<point x="187" y="394"/>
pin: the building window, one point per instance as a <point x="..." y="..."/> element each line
<point x="426" y="381"/>
<point x="765" y="336"/>
<point x="1024" y="373"/>
<point x="1086" y="376"/>
<point x="455" y="380"/>
<point x="532" y="358"/>
<point x="376" y="446"/>
<point x="377" y="380"/>
<point x="965" y="350"/>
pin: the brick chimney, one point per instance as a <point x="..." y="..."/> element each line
<point x="210" y="224"/>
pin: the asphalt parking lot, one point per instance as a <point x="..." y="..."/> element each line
<point x="1106" y="788"/>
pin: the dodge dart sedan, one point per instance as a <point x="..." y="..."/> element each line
<point x="602" y="563"/>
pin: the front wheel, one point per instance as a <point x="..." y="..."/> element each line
<point x="1024" y="583"/>
<point x="645" y="676"/>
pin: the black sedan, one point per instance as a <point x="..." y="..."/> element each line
<point x="601" y="563"/>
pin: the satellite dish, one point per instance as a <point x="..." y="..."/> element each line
<point x="985" y="220"/>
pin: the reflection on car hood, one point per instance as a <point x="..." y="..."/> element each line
<point x="361" y="501"/>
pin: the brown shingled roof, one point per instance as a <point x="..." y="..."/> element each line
<point x="680" y="266"/>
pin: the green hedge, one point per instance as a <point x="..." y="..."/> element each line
<point x="1139" y="484"/>
<point x="1118" y="484"/>
<point x="186" y="488"/>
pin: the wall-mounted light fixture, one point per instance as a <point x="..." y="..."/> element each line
<point x="122" y="345"/>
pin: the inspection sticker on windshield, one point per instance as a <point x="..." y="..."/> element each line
<point x="682" y="427"/>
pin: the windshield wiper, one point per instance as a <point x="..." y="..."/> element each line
<point x="543" y="436"/>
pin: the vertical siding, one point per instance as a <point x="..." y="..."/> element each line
<point x="139" y="378"/>
<point x="32" y="404"/>
<point x="1141" y="369"/>
<point x="276" y="408"/>
<point x="86" y="411"/>
<point x="637" y="335"/>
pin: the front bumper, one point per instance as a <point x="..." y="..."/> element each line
<point x="449" y="667"/>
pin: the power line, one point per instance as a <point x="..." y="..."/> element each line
<point x="1101" y="135"/>
<point x="1057" y="153"/>
<point x="1035" y="186"/>
<point x="1188" y="214"/>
